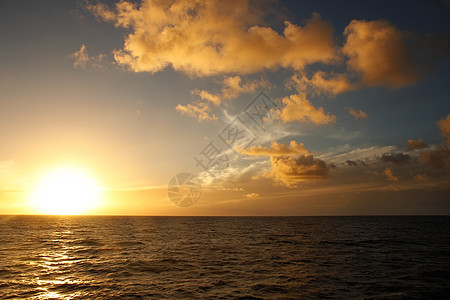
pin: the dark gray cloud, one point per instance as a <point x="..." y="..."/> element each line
<point x="355" y="163"/>
<point x="396" y="158"/>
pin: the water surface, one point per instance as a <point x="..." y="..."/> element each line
<point x="45" y="257"/>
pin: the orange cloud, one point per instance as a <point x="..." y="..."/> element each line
<point x="205" y="95"/>
<point x="358" y="114"/>
<point x="81" y="58"/>
<point x="199" y="110"/>
<point x="444" y="126"/>
<point x="413" y="145"/>
<point x="322" y="83"/>
<point x="380" y="53"/>
<point x="298" y="108"/>
<point x="276" y="149"/>
<point x="232" y="87"/>
<point x="291" y="164"/>
<point x="290" y="171"/>
<point x="204" y="38"/>
<point x="390" y="175"/>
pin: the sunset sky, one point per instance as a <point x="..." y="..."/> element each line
<point x="131" y="93"/>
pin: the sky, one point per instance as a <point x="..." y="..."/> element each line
<point x="272" y="107"/>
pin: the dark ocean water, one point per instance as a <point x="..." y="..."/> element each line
<point x="224" y="257"/>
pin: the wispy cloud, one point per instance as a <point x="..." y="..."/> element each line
<point x="358" y="114"/>
<point x="199" y="110"/>
<point x="81" y="59"/>
<point x="232" y="87"/>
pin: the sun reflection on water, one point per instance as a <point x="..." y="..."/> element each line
<point x="53" y="265"/>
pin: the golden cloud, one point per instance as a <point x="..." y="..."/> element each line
<point x="322" y="83"/>
<point x="232" y="86"/>
<point x="290" y="170"/>
<point x="205" y="95"/>
<point x="81" y="58"/>
<point x="210" y="37"/>
<point x="252" y="196"/>
<point x="291" y="164"/>
<point x="199" y="110"/>
<point x="380" y="53"/>
<point x="298" y="108"/>
<point x="276" y="149"/>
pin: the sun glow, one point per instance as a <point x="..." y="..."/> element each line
<point x="65" y="191"/>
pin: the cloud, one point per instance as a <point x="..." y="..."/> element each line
<point x="298" y="108"/>
<point x="321" y="83"/>
<point x="290" y="171"/>
<point x="358" y="114"/>
<point x="444" y="126"/>
<point x="394" y="187"/>
<point x="205" y="95"/>
<point x="355" y="163"/>
<point x="421" y="178"/>
<point x="199" y="110"/>
<point x="438" y="158"/>
<point x="81" y="59"/>
<point x="382" y="54"/>
<point x="370" y="154"/>
<point x="252" y="196"/>
<point x="276" y="149"/>
<point x="395" y="158"/>
<point x="291" y="164"/>
<point x="342" y="134"/>
<point x="232" y="87"/>
<point x="390" y="175"/>
<point x="351" y="163"/>
<point x="213" y="38"/>
<point x="234" y="189"/>
<point x="415" y="145"/>
<point x="204" y="38"/>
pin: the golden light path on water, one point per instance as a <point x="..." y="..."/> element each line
<point x="53" y="266"/>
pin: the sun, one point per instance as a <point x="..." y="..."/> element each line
<point x="65" y="191"/>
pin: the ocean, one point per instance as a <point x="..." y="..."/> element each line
<point x="105" y="257"/>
